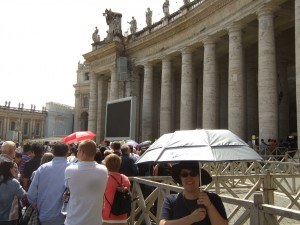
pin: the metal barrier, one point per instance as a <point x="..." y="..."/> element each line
<point x="250" y="198"/>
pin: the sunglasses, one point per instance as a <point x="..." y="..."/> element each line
<point x="191" y="174"/>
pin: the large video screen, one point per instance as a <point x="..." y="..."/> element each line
<point x="120" y="119"/>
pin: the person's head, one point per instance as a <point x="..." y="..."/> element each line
<point x="26" y="148"/>
<point x="8" y="169"/>
<point x="99" y="157"/>
<point x="113" y="162"/>
<point x="102" y="149"/>
<point x="116" y="146"/>
<point x="18" y="158"/>
<point x="86" y="150"/>
<point x="106" y="153"/>
<point x="9" y="148"/>
<point x="37" y="149"/>
<point x="189" y="171"/>
<point x="106" y="142"/>
<point x="47" y="157"/>
<point x="125" y="149"/>
<point x="60" y="149"/>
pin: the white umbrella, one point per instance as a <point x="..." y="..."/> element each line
<point x="199" y="145"/>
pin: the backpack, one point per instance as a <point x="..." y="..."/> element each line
<point x="122" y="200"/>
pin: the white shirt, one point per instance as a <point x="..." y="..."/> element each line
<point x="87" y="183"/>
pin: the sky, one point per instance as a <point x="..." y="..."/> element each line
<point x="42" y="41"/>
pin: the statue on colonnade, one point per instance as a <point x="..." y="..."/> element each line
<point x="96" y="36"/>
<point x="113" y="20"/>
<point x="148" y="17"/>
<point x="166" y="8"/>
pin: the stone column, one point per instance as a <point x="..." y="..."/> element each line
<point x="297" y="63"/>
<point x="147" y="115"/>
<point x="4" y="127"/>
<point x="101" y="110"/>
<point x="92" y="125"/>
<point x="252" y="95"/>
<point x="283" y="99"/>
<point x="42" y="129"/>
<point x="77" y="111"/>
<point x="223" y="99"/>
<point x="236" y="83"/>
<point x="32" y="128"/>
<point x="267" y="76"/>
<point x="186" y="102"/>
<point x="210" y="87"/>
<point x="166" y="97"/>
<point x="114" y="84"/>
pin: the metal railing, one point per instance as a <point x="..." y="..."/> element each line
<point x="252" y="195"/>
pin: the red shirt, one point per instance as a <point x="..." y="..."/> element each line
<point x="109" y="195"/>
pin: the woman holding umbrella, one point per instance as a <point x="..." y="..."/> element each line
<point x="192" y="206"/>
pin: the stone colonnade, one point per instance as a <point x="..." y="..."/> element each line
<point x="249" y="100"/>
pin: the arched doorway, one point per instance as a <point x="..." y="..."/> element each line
<point x="84" y="118"/>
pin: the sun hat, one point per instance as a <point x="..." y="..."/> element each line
<point x="193" y="166"/>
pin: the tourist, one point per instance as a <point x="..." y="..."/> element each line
<point x="128" y="167"/>
<point x="36" y="153"/>
<point x="113" y="163"/>
<point x="8" y="151"/>
<point x="192" y="206"/>
<point x="86" y="181"/>
<point x="10" y="193"/>
<point x="25" y="157"/>
<point x="48" y="185"/>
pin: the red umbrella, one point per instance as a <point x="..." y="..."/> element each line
<point x="78" y="136"/>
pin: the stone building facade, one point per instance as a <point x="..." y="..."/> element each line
<point x="59" y="120"/>
<point x="213" y="64"/>
<point x="18" y="123"/>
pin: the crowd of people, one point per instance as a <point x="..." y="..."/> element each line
<point x="43" y="176"/>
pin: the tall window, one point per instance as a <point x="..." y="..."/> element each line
<point x="13" y="125"/>
<point x="26" y="129"/>
<point x="1" y="128"/>
<point x="37" y="129"/>
<point x="85" y="102"/>
<point x="86" y="76"/>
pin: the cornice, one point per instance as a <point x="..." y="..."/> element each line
<point x="113" y="48"/>
<point x="178" y="25"/>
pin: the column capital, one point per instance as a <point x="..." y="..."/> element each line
<point x="165" y="57"/>
<point x="113" y="69"/>
<point x="236" y="26"/>
<point x="210" y="41"/>
<point x="77" y="93"/>
<point x="147" y="64"/>
<point x="267" y="10"/>
<point x="186" y="50"/>
<point x="92" y="76"/>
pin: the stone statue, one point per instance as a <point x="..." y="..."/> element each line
<point x="96" y="36"/>
<point x="166" y="8"/>
<point x="185" y="2"/>
<point x="148" y="17"/>
<point x="133" y="25"/>
<point x="113" y="20"/>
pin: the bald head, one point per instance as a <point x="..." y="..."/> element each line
<point x="9" y="148"/>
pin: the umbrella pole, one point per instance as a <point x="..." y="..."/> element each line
<point x="200" y="182"/>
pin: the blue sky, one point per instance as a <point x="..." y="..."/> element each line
<point x="41" y="42"/>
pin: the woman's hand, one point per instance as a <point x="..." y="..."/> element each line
<point x="203" y="199"/>
<point x="198" y="215"/>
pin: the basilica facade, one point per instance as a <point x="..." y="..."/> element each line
<point x="213" y="64"/>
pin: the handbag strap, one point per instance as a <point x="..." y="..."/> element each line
<point x="120" y="184"/>
<point x="117" y="183"/>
